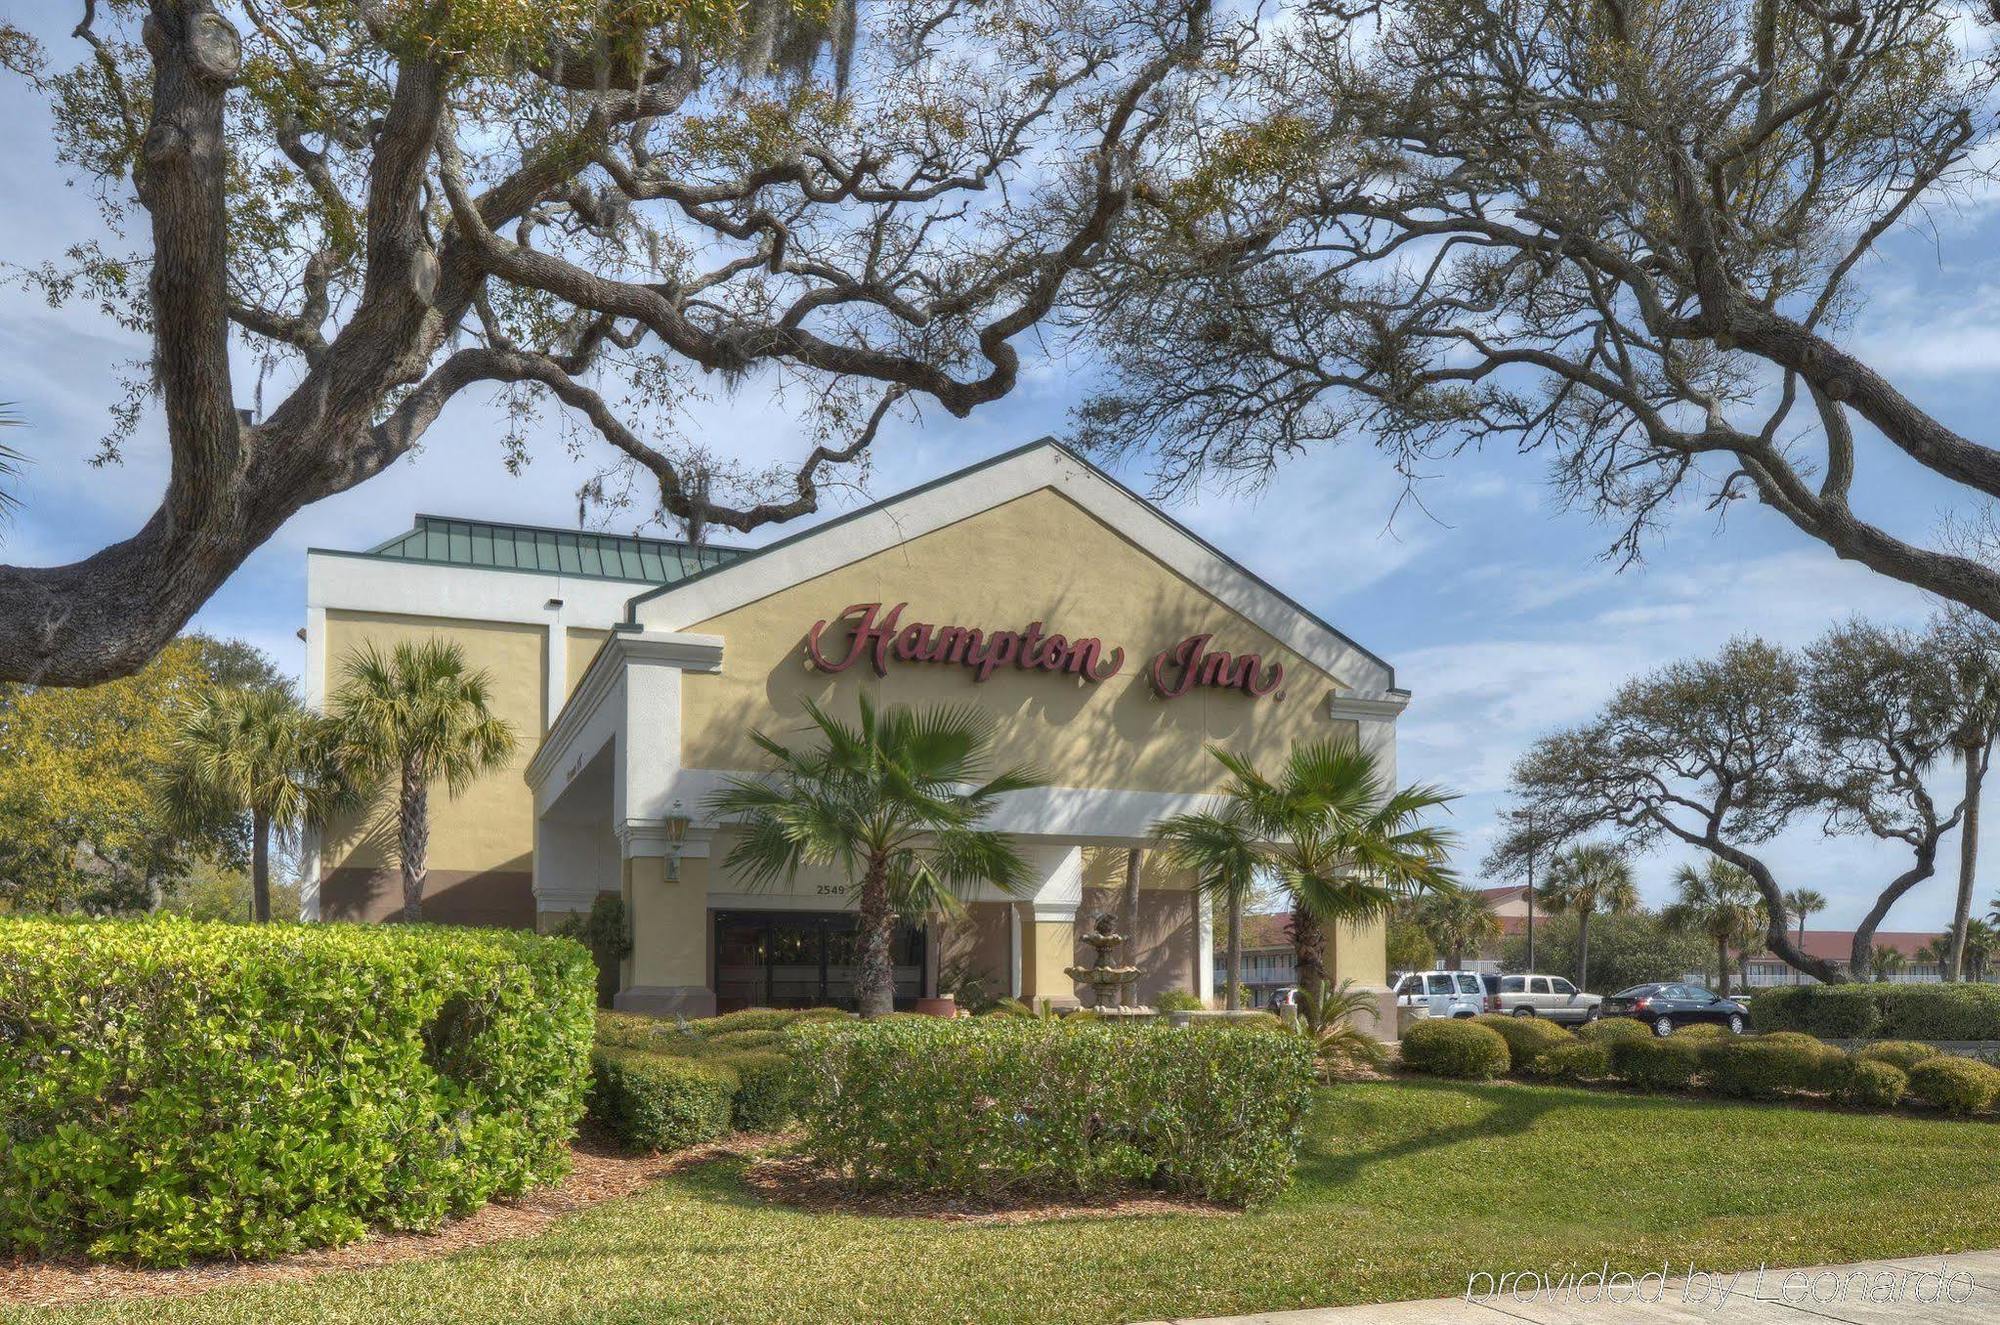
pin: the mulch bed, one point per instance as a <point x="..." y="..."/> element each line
<point x="598" y="1174"/>
<point x="794" y="1181"/>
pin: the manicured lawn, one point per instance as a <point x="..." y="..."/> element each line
<point x="1405" y="1189"/>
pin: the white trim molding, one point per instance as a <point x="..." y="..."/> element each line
<point x="1358" y="706"/>
<point x="897" y="520"/>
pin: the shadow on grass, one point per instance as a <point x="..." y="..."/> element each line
<point x="1512" y="1111"/>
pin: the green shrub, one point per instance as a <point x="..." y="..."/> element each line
<point x="1009" y="1007"/>
<point x="1762" y="1067"/>
<point x="740" y="1041"/>
<point x="1905" y="1054"/>
<point x="1178" y="1000"/>
<point x="746" y="1019"/>
<point x="980" y="1106"/>
<point x="171" y="1089"/>
<point x="763" y="1098"/>
<point x="1702" y="1030"/>
<point x="1870" y="1082"/>
<point x="627" y="1030"/>
<point x="1956" y="1085"/>
<point x="1655" y="1064"/>
<point x="1606" y="1030"/>
<point x="658" y="1101"/>
<point x="1527" y="1037"/>
<point x="1463" y="1050"/>
<point x="1258" y="1021"/>
<point x="1884" y="1011"/>
<point x="1579" y="1060"/>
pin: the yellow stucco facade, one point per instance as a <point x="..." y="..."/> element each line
<point x="634" y="703"/>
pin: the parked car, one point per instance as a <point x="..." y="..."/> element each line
<point x="1665" y="1006"/>
<point x="1281" y="999"/>
<point x="1548" y="996"/>
<point x="1442" y="993"/>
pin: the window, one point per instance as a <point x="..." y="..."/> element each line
<point x="1469" y="984"/>
<point x="1437" y="984"/>
<point x="1513" y="984"/>
<point x="1539" y="985"/>
<point x="1562" y="986"/>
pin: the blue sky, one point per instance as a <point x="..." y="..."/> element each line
<point x="1495" y="609"/>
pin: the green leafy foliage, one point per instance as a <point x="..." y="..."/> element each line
<point x="1701" y="1030"/>
<point x="1869" y="1082"/>
<point x="172" y="1089"/>
<point x="1579" y="1060"/>
<point x="765" y="1089"/>
<point x="979" y="1107"/>
<point x="648" y="1101"/>
<point x="1766" y="1066"/>
<point x="1178" y="1000"/>
<point x="1957" y="1085"/>
<point x="1463" y="1050"/>
<point x="1904" y="1054"/>
<point x="1527" y="1037"/>
<point x="1654" y="1064"/>
<point x="1608" y="1030"/>
<point x="1869" y="1011"/>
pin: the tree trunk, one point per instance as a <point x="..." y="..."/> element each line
<point x="1308" y="949"/>
<point x="874" y="974"/>
<point x="1798" y="976"/>
<point x="1583" y="950"/>
<point x="1128" y="904"/>
<point x="414" y="817"/>
<point x="260" y="867"/>
<point x="1722" y="967"/>
<point x="1232" y="961"/>
<point x="1968" y="858"/>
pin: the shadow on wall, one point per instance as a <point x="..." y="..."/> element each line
<point x="503" y="897"/>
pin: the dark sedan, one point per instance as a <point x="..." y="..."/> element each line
<point x="1666" y="1006"/>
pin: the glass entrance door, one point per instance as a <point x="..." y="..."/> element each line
<point x="799" y="959"/>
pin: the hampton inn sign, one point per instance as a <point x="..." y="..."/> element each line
<point x="880" y="636"/>
<point x="1110" y="647"/>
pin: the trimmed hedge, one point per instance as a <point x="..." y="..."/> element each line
<point x="648" y="1101"/>
<point x="1957" y="1085"/>
<point x="1702" y="1030"/>
<point x="1608" y="1030"/>
<point x="1881" y="1011"/>
<point x="1580" y="1060"/>
<point x="1463" y="1050"/>
<point x="1528" y="1038"/>
<point x="1905" y="1054"/>
<point x="764" y="1091"/>
<point x="1762" y="1067"/>
<point x="1870" y="1082"/>
<point x="980" y="1107"/>
<point x="1655" y="1064"/>
<point x="171" y="1089"/>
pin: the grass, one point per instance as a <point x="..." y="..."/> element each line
<point x="1405" y="1189"/>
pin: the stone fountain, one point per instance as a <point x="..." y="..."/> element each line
<point x="1107" y="983"/>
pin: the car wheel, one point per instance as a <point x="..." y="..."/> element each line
<point x="1524" y="1012"/>
<point x="1735" y="1023"/>
<point x="1663" y="1026"/>
<point x="1593" y="1014"/>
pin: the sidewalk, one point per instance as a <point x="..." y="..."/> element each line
<point x="1937" y="1290"/>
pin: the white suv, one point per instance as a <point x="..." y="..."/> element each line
<point x="1441" y="994"/>
<point x="1548" y="996"/>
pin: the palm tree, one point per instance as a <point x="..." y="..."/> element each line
<point x="1800" y="903"/>
<point x="1981" y="940"/>
<point x="421" y="714"/>
<point x="1588" y="878"/>
<point x="1888" y="964"/>
<point x="1937" y="951"/>
<point x="1334" y="838"/>
<point x="1972" y="652"/>
<point x="254" y="751"/>
<point x="1455" y="920"/>
<point x="1720" y="902"/>
<point x="1224" y="861"/>
<point x="881" y="800"/>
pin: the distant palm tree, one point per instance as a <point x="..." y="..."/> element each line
<point x="1981" y="942"/>
<point x="1455" y="920"/>
<point x="1971" y="645"/>
<point x="1585" y="879"/>
<point x="254" y="751"/>
<point x="1720" y="902"/>
<point x="881" y="799"/>
<point x="1341" y="844"/>
<point x="1888" y="963"/>
<point x="1937" y="951"/>
<point x="421" y="714"/>
<point x="1800" y="903"/>
<point x="1224" y="861"/>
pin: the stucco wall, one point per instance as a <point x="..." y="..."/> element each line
<point x="486" y="833"/>
<point x="1038" y="558"/>
<point x="580" y="646"/>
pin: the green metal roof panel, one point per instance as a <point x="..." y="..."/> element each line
<point x="448" y="542"/>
